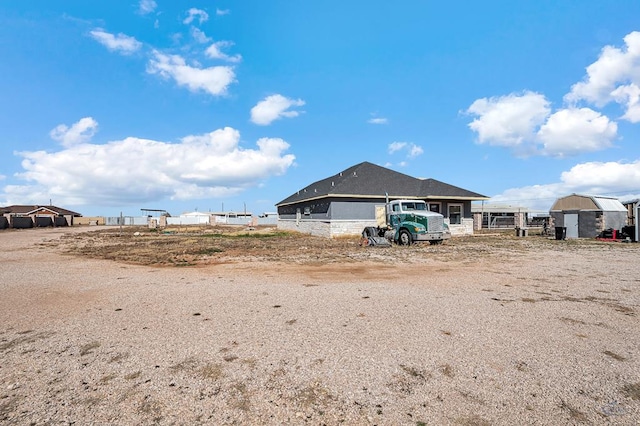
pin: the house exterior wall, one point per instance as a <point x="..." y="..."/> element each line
<point x="464" y="228"/>
<point x="329" y="209"/>
<point x="354" y="208"/>
<point x="325" y="228"/>
<point x="341" y="217"/>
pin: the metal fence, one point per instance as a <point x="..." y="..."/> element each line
<point x="190" y="220"/>
<point x="126" y="221"/>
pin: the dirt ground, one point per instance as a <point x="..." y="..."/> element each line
<point x="228" y="325"/>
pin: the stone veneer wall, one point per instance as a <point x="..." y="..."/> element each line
<point x="465" y="228"/>
<point x="338" y="228"/>
<point x="477" y="221"/>
<point x="331" y="229"/>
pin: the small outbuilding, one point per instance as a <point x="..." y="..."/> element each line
<point x="586" y="216"/>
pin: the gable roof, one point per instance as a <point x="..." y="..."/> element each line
<point x="588" y="202"/>
<point x="32" y="209"/>
<point x="373" y="181"/>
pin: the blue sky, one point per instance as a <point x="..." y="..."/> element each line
<point x="109" y="107"/>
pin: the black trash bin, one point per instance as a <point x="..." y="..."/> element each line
<point x="561" y="233"/>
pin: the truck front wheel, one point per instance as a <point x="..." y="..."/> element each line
<point x="404" y="238"/>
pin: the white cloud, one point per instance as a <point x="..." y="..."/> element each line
<point x="605" y="78"/>
<point x="613" y="65"/>
<point x="273" y="108"/>
<point x="524" y="123"/>
<point x="415" y="150"/>
<point x="214" y="52"/>
<point x="199" y="35"/>
<point x="146" y="6"/>
<point x="573" y="131"/>
<point x="412" y="150"/>
<point x="80" y="132"/>
<point x="194" y="13"/>
<point x="378" y="120"/>
<point x="396" y="146"/>
<point x="134" y="170"/>
<point x="119" y="42"/>
<point x="600" y="177"/>
<point x="213" y="80"/>
<point x="592" y="178"/>
<point x="629" y="95"/>
<point x="222" y="12"/>
<point x="508" y="120"/>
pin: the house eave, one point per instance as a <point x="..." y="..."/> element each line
<point x="39" y="209"/>
<point x="382" y="197"/>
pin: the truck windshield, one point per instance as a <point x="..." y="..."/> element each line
<point x="413" y="206"/>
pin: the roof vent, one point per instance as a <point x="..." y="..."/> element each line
<point x="315" y="190"/>
<point x="332" y="183"/>
<point x="354" y="173"/>
<point x="340" y="173"/>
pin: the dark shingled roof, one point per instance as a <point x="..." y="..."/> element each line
<point x="369" y="180"/>
<point x="24" y="209"/>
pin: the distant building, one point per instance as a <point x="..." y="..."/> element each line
<point x="30" y="216"/>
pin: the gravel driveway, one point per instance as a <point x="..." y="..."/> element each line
<point x="544" y="334"/>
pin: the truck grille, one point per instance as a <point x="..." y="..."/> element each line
<point x="436" y="224"/>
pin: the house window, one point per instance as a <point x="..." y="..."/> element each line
<point x="434" y="207"/>
<point x="455" y="214"/>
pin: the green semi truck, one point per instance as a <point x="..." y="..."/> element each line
<point x="407" y="222"/>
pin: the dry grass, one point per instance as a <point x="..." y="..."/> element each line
<point x="632" y="390"/>
<point x="88" y="348"/>
<point x="192" y="246"/>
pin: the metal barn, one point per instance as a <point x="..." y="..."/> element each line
<point x="586" y="216"/>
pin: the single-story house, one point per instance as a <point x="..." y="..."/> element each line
<point x="345" y="203"/>
<point x="586" y="216"/>
<point x="28" y="216"/>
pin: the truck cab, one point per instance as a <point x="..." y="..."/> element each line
<point x="411" y="221"/>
